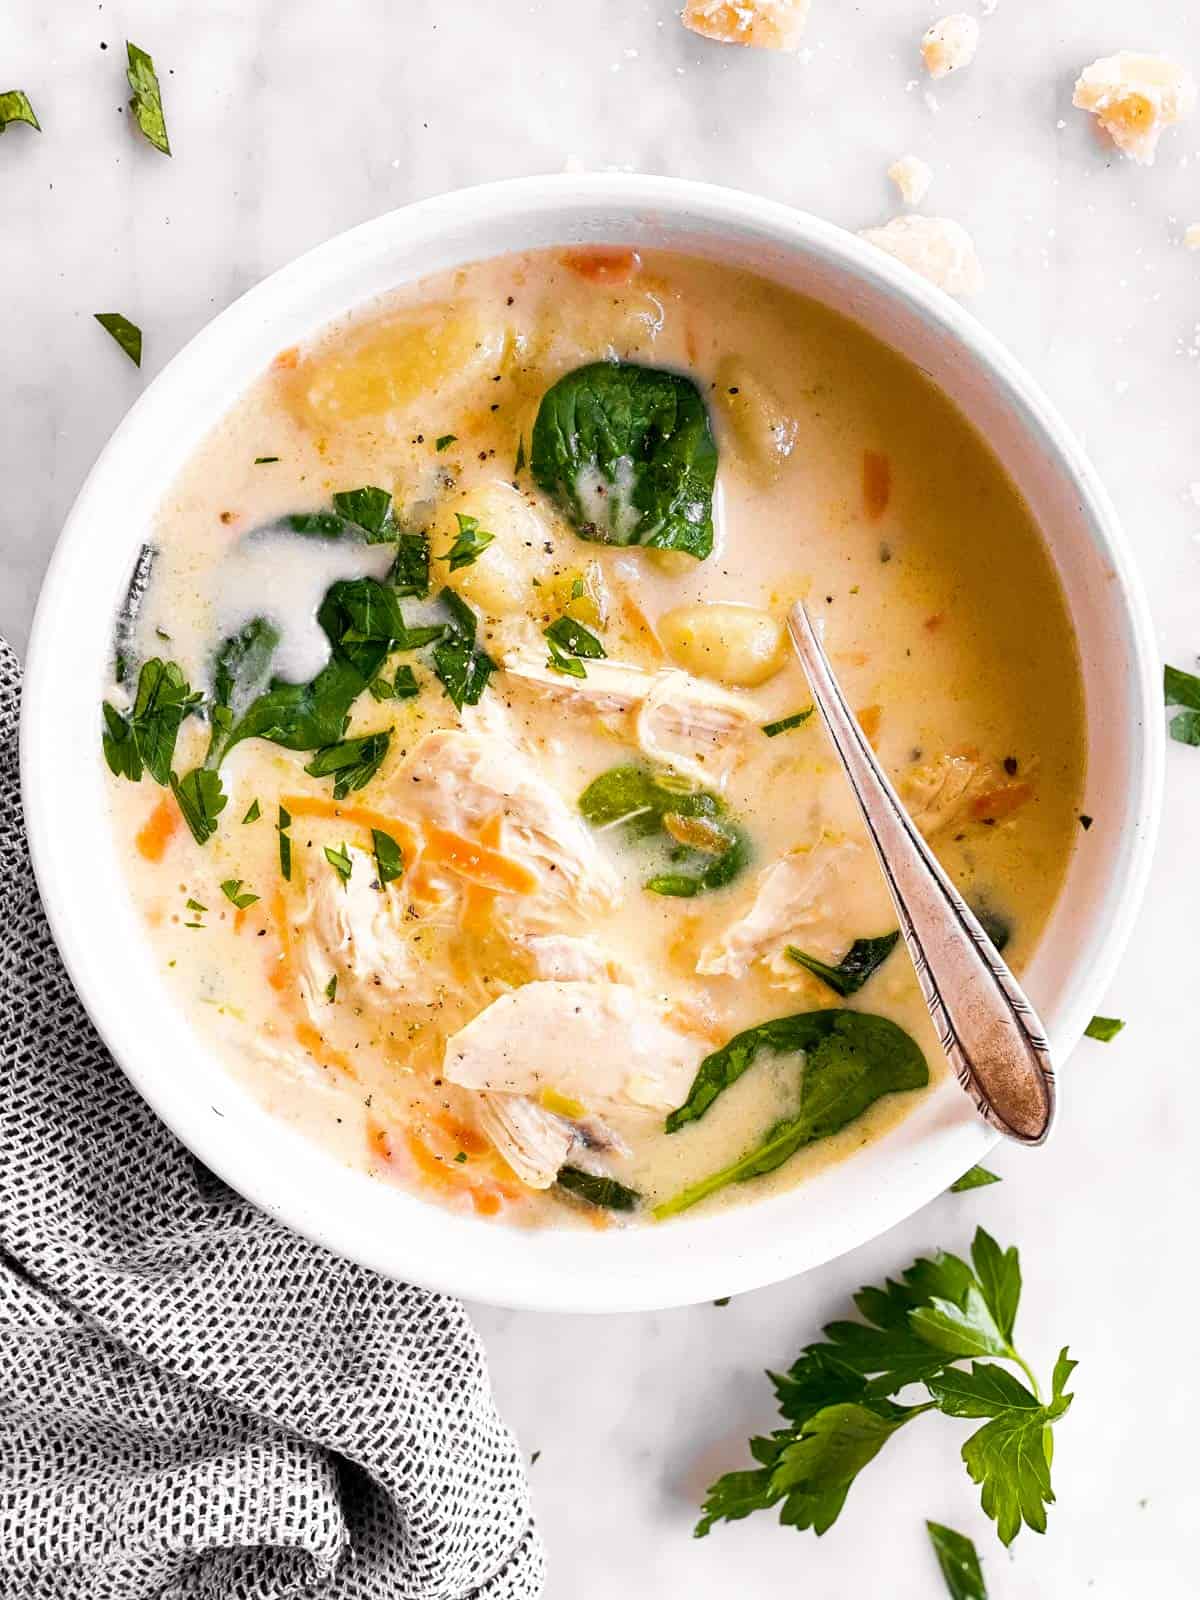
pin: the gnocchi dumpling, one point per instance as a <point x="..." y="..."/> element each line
<point x="385" y="367"/>
<point x="763" y="431"/>
<point x="733" y="644"/>
<point x="499" y="582"/>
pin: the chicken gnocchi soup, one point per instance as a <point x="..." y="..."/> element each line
<point x="471" y="796"/>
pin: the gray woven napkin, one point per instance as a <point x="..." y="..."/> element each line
<point x="194" y="1401"/>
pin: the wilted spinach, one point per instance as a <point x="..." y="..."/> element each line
<point x="705" y="849"/>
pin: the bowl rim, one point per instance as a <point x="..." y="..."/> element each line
<point x="696" y="1276"/>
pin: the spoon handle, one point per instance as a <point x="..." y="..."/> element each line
<point x="988" y="1029"/>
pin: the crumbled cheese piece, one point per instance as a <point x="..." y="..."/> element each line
<point x="1134" y="97"/>
<point x="949" y="44"/>
<point x="937" y="248"/>
<point x="912" y="177"/>
<point x="768" y="24"/>
<point x="1191" y="236"/>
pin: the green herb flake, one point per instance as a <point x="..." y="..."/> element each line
<point x="405" y="685"/>
<point x="445" y="440"/>
<point x="389" y="858"/>
<point x="461" y="667"/>
<point x="573" y="638"/>
<point x="598" y="1190"/>
<point x="232" y="889"/>
<point x="723" y="1301"/>
<point x="369" y="509"/>
<point x="340" y="861"/>
<point x="1183" y="689"/>
<point x="785" y="724"/>
<point x="146" y="104"/>
<point x="861" y="962"/>
<point x="144" y="736"/>
<point x="959" y="1563"/>
<point x="1105" y="1029"/>
<point x="351" y="763"/>
<point x="838" y="1405"/>
<point x="285" y="844"/>
<point x="253" y="814"/>
<point x="974" y="1178"/>
<point x="201" y="799"/>
<point x="194" y="905"/>
<point x="264" y="461"/>
<point x="15" y="107"/>
<point x="519" y="463"/>
<point x="472" y="541"/>
<point x="331" y="989"/>
<point x="410" y="572"/>
<point x="461" y="1157"/>
<point x="127" y="334"/>
<point x="559" y="661"/>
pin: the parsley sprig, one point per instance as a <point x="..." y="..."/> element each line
<point x="840" y="1407"/>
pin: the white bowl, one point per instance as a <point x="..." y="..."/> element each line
<point x="79" y="865"/>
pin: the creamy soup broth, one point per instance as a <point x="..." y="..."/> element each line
<point x="844" y="478"/>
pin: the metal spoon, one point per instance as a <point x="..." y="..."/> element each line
<point x="988" y="1029"/>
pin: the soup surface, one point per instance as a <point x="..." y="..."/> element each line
<point x="480" y="816"/>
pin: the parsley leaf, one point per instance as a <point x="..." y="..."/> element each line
<point x="127" y="334"/>
<point x="232" y="890"/>
<point x="598" y="1190"/>
<point x="15" y="107"/>
<point x="254" y="812"/>
<point x="785" y="724"/>
<point x="331" y="989"/>
<point x="1105" y="1029"/>
<point x="146" y="104"/>
<point x="389" y="858"/>
<point x="472" y="541"/>
<point x="838" y="1403"/>
<point x="444" y="441"/>
<point x="341" y="861"/>
<point x="285" y="843"/>
<point x="462" y="668"/>
<point x="352" y="763"/>
<point x="369" y="509"/>
<point x="973" y="1178"/>
<point x="410" y="571"/>
<point x="957" y="1558"/>
<point x="404" y="685"/>
<point x="861" y="961"/>
<point x="145" y="735"/>
<point x="575" y="639"/>
<point x="264" y="461"/>
<point x="561" y="662"/>
<point x="201" y="799"/>
<point x="1183" y="689"/>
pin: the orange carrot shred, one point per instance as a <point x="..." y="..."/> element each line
<point x="287" y="359"/>
<point x="877" y="483"/>
<point x="1002" y="802"/>
<point x="869" y="719"/>
<point x="602" y="263"/>
<point x="157" y="831"/>
<point x="478" y="862"/>
<point x="316" y="805"/>
<point x="314" y="1042"/>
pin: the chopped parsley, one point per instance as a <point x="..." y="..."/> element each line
<point x="253" y="814"/>
<point x="369" y="509"/>
<point x="15" y="107"/>
<point x="1183" y="689"/>
<point x="445" y="440"/>
<point x="566" y="634"/>
<point x="285" y="843"/>
<point x="472" y="541"/>
<point x="340" y="861"/>
<point x="264" y="461"/>
<point x="959" y="1562"/>
<point x="404" y="685"/>
<point x="331" y="989"/>
<point x="975" y="1178"/>
<point x="410" y="571"/>
<point x="144" y="736"/>
<point x="201" y="799"/>
<point x="1105" y="1029"/>
<point x="352" y="763"/>
<point x="146" y="104"/>
<point x="462" y="668"/>
<point x="389" y="858"/>
<point x="127" y="334"/>
<point x="232" y="889"/>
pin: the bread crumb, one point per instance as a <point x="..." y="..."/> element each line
<point x="949" y="44"/>
<point x="1191" y="236"/>
<point x="912" y="177"/>
<point x="766" y="24"/>
<point x="1134" y="97"/>
<point x="940" y="250"/>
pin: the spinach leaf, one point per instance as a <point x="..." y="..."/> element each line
<point x="1183" y="689"/>
<point x="598" y="1190"/>
<point x="369" y="509"/>
<point x="404" y="685"/>
<point x="145" y="735"/>
<point x="127" y="334"/>
<point x="410" y="574"/>
<point x="575" y="639"/>
<point x="627" y="452"/>
<point x="352" y="763"/>
<point x="997" y="928"/>
<point x="241" y="673"/>
<point x="705" y="848"/>
<point x="15" y="107"/>
<point x="470" y="544"/>
<point x="201" y="799"/>
<point x="146" y="104"/>
<point x="851" y="1059"/>
<point x="861" y="961"/>
<point x="462" y="668"/>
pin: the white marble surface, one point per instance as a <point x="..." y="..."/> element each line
<point x="293" y="121"/>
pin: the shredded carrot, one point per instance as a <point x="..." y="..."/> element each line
<point x="641" y="624"/>
<point x="462" y="1136"/>
<point x="869" y="719"/>
<point x="478" y="862"/>
<point x="486" y="1202"/>
<point x="479" y="902"/>
<point x="1002" y="802"/>
<point x="313" y="1041"/>
<point x="287" y="359"/>
<point x="316" y="805"/>
<point x="602" y="263"/>
<point x="379" y="1140"/>
<point x="157" y="831"/>
<point x="280" y="976"/>
<point x="877" y="483"/>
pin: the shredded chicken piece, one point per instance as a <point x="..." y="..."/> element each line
<point x="939" y="793"/>
<point x="536" y="1142"/>
<point x="568" y="958"/>
<point x="459" y="780"/>
<point x="790" y="895"/>
<point x="765" y="24"/>
<point x="602" y="1044"/>
<point x="679" y="722"/>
